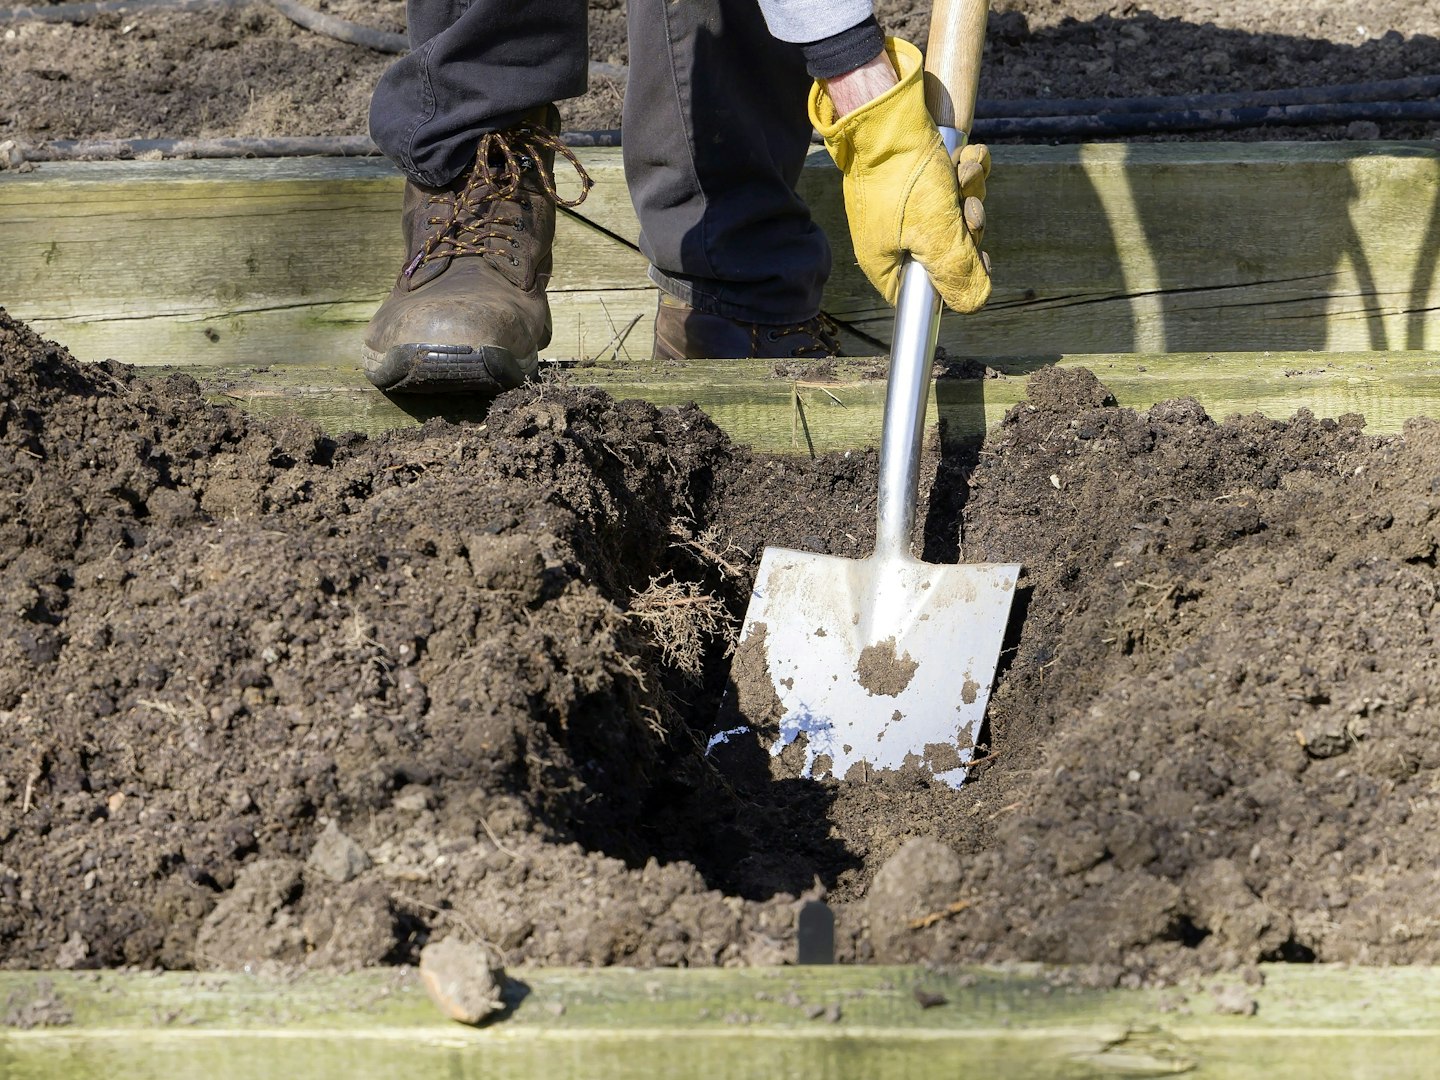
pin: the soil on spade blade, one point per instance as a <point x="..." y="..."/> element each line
<point x="267" y="696"/>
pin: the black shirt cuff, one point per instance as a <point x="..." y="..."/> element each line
<point x="845" y="51"/>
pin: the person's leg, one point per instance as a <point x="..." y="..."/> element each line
<point x="468" y="116"/>
<point x="715" y="136"/>
<point x="475" y="66"/>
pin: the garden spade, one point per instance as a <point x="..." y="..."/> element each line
<point x="886" y="662"/>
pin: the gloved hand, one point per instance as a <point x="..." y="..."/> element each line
<point x="902" y="192"/>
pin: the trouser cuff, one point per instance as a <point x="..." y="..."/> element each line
<point x="720" y="298"/>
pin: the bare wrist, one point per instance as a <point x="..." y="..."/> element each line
<point x="862" y="85"/>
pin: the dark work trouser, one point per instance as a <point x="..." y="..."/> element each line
<point x="715" y="131"/>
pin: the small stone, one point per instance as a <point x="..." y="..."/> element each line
<point x="928" y="999"/>
<point x="337" y="857"/>
<point x="73" y="953"/>
<point x="1217" y="61"/>
<point x="922" y="877"/>
<point x="461" y="980"/>
<point x="1362" y="130"/>
<point x="1233" y="1000"/>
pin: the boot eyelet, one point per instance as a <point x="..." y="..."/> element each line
<point x="772" y="335"/>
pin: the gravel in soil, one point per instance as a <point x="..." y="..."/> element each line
<point x="248" y="71"/>
<point x="272" y="697"/>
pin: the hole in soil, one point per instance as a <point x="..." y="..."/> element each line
<point x="747" y="832"/>
<point x="409" y="933"/>
<point x="1187" y="933"/>
<point x="1291" y="952"/>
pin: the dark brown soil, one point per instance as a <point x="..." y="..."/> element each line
<point x="267" y="696"/>
<point x="270" y="696"/>
<point x="250" y="72"/>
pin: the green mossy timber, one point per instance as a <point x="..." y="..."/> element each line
<point x="1306" y="1021"/>
<point x="1174" y="247"/>
<point x="837" y="405"/>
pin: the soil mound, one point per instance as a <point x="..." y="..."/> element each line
<point x="271" y="696"/>
<point x="220" y="637"/>
<point x="1218" y="722"/>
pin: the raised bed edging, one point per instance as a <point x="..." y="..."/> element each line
<point x="1104" y="248"/>
<point x="831" y="1022"/>
<point x="839" y="408"/>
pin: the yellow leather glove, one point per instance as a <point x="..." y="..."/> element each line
<point x="901" y="189"/>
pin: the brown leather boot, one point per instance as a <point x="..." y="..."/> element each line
<point x="468" y="313"/>
<point x="685" y="333"/>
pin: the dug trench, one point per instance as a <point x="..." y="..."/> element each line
<point x="268" y="696"/>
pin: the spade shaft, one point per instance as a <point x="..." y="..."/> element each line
<point x="885" y="663"/>
<point x="917" y="328"/>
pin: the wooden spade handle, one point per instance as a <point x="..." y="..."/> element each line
<point x="952" y="61"/>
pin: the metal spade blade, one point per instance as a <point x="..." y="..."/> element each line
<point x="886" y="661"/>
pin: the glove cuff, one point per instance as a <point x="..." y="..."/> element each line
<point x="902" y="106"/>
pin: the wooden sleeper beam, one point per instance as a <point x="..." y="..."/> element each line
<point x="1156" y="248"/>
<point x="836" y="405"/>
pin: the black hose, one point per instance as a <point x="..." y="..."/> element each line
<point x="341" y="29"/>
<point x="126" y="149"/>
<point x="1039" y="127"/>
<point x="1163" y="123"/>
<point x="81" y="13"/>
<point x="294" y="146"/>
<point x="383" y="41"/>
<point x="1387" y="90"/>
<point x="329" y="25"/>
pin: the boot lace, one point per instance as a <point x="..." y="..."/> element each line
<point x="820" y="337"/>
<point x="475" y="224"/>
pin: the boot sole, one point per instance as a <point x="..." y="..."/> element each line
<point x="478" y="371"/>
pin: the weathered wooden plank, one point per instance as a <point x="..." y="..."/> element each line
<point x="323" y="332"/>
<point x="780" y="411"/>
<point x="830" y="1022"/>
<point x="1100" y="248"/>
<point x="229" y="262"/>
<point x="1198" y="246"/>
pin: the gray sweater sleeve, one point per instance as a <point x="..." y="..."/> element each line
<point x="811" y="20"/>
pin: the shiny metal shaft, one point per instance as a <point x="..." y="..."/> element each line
<point x="912" y="348"/>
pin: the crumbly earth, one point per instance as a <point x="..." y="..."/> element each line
<point x="272" y="697"/>
<point x="268" y="696"/>
<point x="248" y="71"/>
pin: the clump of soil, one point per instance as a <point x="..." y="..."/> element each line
<point x="270" y="696"/>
